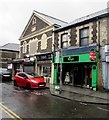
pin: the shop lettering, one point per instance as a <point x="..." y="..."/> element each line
<point x="44" y="57"/>
<point x="71" y="59"/>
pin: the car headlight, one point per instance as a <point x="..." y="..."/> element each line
<point x="33" y="81"/>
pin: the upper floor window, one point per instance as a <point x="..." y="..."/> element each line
<point x="24" y="47"/>
<point x="84" y="37"/>
<point x="64" y="40"/>
<point x="34" y="21"/>
<point x="33" y="27"/>
<point x="27" y="48"/>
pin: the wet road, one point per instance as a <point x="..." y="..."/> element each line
<point x="41" y="104"/>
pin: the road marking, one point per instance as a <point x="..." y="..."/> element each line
<point x="103" y="109"/>
<point x="83" y="103"/>
<point x="9" y="112"/>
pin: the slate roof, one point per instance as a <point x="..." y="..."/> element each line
<point x="10" y="46"/>
<point x="86" y="18"/>
<point x="50" y="19"/>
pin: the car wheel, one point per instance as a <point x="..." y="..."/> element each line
<point x="28" y="86"/>
<point x="15" y="83"/>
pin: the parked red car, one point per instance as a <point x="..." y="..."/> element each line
<point x="29" y="81"/>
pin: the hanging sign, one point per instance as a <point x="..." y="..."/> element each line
<point x="93" y="56"/>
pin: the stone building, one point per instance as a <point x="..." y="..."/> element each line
<point x="36" y="44"/>
<point x="78" y="51"/>
<point x="8" y="52"/>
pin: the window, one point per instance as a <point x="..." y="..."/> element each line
<point x="84" y="37"/>
<point x="33" y="27"/>
<point x="22" y="75"/>
<point x="34" y="21"/>
<point x="64" y="41"/>
<point x="24" y="47"/>
<point x="27" y="48"/>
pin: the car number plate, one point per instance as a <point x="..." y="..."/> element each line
<point x="41" y="85"/>
<point x="6" y="75"/>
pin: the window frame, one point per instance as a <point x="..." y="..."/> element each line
<point x="83" y="38"/>
<point x="66" y="41"/>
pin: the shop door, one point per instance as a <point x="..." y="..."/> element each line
<point x="94" y="76"/>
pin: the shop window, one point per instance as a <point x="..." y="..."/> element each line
<point x="47" y="70"/>
<point x="84" y="37"/>
<point x="64" y="40"/>
<point x="29" y="69"/>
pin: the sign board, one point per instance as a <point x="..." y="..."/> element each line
<point x="44" y="57"/>
<point x="57" y="56"/>
<point x="71" y="59"/>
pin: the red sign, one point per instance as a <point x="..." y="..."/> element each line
<point x="92" y="56"/>
<point x="24" y="59"/>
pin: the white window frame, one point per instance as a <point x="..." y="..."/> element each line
<point x="84" y="37"/>
<point x="64" y="39"/>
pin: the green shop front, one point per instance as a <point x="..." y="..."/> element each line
<point x="76" y="67"/>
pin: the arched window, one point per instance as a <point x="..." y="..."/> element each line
<point x="34" y="21"/>
<point x="44" y="41"/>
<point x="24" y="47"/>
<point x="33" y="46"/>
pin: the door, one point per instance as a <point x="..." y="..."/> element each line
<point x="94" y="76"/>
<point x="23" y="80"/>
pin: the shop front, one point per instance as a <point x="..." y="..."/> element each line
<point x="23" y="65"/>
<point x="44" y="65"/>
<point x="78" y="69"/>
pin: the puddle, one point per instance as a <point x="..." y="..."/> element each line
<point x="28" y="92"/>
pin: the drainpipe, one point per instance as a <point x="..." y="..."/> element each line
<point x="99" y="84"/>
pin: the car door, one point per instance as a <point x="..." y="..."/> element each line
<point x="24" y="80"/>
<point x="19" y="79"/>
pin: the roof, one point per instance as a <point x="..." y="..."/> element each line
<point x="86" y="18"/>
<point x="50" y="19"/>
<point x="10" y="46"/>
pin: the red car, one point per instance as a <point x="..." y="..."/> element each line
<point x="29" y="81"/>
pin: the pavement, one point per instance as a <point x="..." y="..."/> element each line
<point x="84" y="95"/>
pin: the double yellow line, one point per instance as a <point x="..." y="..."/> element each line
<point x="9" y="112"/>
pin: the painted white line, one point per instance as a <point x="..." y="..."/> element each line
<point x="83" y="103"/>
<point x="103" y="109"/>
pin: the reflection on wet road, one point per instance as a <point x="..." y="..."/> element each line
<point x="39" y="103"/>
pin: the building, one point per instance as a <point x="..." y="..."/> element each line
<point x="78" y="51"/>
<point x="36" y="44"/>
<point x="8" y="52"/>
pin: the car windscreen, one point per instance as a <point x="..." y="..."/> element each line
<point x="33" y="76"/>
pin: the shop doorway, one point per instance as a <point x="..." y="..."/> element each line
<point x="75" y="74"/>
